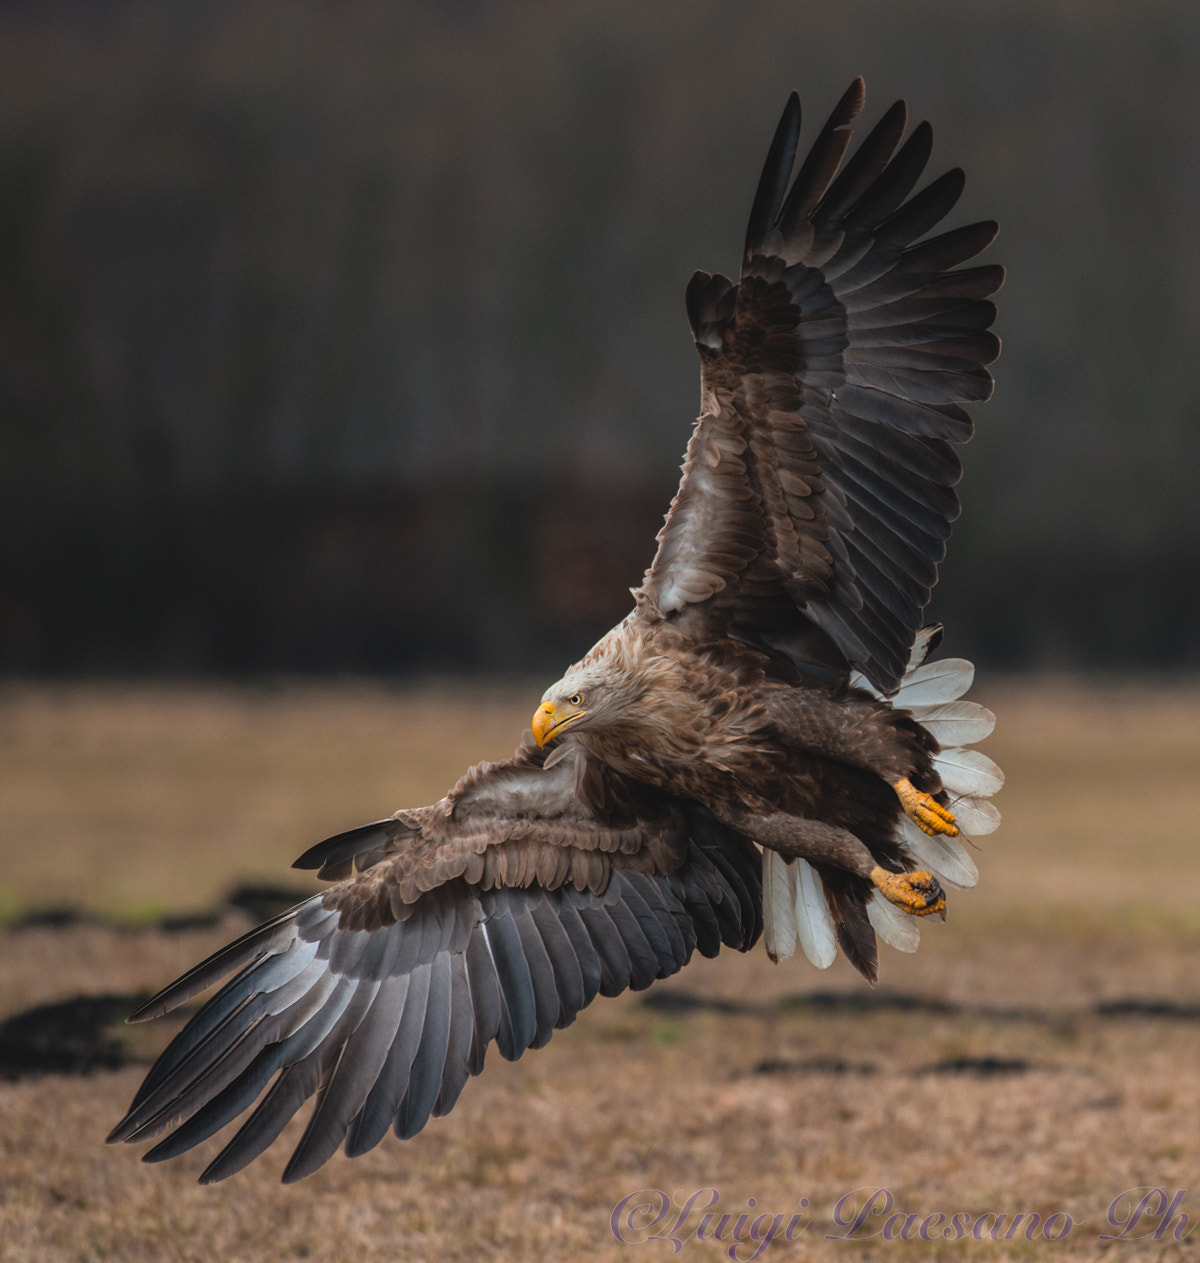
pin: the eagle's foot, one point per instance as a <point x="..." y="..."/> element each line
<point x="928" y="814"/>
<point x="917" y="893"/>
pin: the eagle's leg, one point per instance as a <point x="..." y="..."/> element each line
<point x="924" y="810"/>
<point x="869" y="734"/>
<point x="795" y="837"/>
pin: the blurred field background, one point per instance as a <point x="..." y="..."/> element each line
<point x="344" y="378"/>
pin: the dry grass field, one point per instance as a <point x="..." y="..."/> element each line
<point x="1037" y="1056"/>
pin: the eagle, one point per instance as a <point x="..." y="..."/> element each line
<point x="762" y="748"/>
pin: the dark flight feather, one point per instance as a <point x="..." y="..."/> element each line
<point x="832" y="322"/>
<point x="385" y="1026"/>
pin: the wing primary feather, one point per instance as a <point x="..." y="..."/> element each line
<point x="896" y="182"/>
<point x="671" y="918"/>
<point x="224" y="1101"/>
<point x="643" y="960"/>
<point x="949" y="249"/>
<point x="934" y="293"/>
<point x="286" y="1095"/>
<point x="205" y="1043"/>
<point x="541" y="976"/>
<point x="428" y="1065"/>
<point x="518" y="1012"/>
<point x="568" y="977"/>
<point x="615" y="965"/>
<point x="358" y="1067"/>
<point x="211" y="1019"/>
<point x="262" y="941"/>
<point x="823" y="160"/>
<point x="222" y="1059"/>
<point x="661" y="952"/>
<point x="456" y="1071"/>
<point x="485" y="997"/>
<point x="591" y="970"/>
<point x="920" y="213"/>
<point x="233" y="1082"/>
<point x="374" y="1116"/>
<point x="773" y="182"/>
<point x="865" y="165"/>
<point x="695" y="891"/>
<point x="327" y="1124"/>
<point x="738" y="869"/>
<point x="339" y="1097"/>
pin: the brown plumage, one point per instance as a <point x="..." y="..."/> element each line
<point x="760" y="744"/>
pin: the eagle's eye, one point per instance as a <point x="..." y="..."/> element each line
<point x="576" y="699"/>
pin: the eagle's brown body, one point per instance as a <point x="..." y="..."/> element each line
<point x="759" y="748"/>
<point x="715" y="725"/>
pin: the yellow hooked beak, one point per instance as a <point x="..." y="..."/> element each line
<point x="550" y="720"/>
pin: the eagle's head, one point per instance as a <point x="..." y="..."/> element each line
<point x="588" y="696"/>
<point x="605" y="692"/>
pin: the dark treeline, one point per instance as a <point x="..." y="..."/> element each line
<point x="351" y="336"/>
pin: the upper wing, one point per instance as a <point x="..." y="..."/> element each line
<point x="383" y="994"/>
<point x="817" y="491"/>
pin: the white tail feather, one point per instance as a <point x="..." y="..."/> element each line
<point x="794" y="905"/>
<point x="968" y="772"/>
<point x="779" y="906"/>
<point x="946" y="858"/>
<point x="934" y="683"/>
<point x="814" y="925"/>
<point x="955" y="723"/>
<point x="931" y="694"/>
<point x="975" y="816"/>
<point x="893" y="925"/>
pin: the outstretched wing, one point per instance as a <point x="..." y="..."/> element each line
<point x="461" y="928"/>
<point x="817" y="491"/>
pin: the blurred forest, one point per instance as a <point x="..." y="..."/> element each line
<point x="350" y="336"/>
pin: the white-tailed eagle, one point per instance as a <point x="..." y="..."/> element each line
<point x="759" y="745"/>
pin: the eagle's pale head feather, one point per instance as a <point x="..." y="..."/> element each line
<point x="616" y="690"/>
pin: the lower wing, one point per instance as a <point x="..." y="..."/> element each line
<point x="385" y="1024"/>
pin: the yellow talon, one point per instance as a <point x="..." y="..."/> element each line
<point x="917" y="893"/>
<point x="924" y="810"/>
